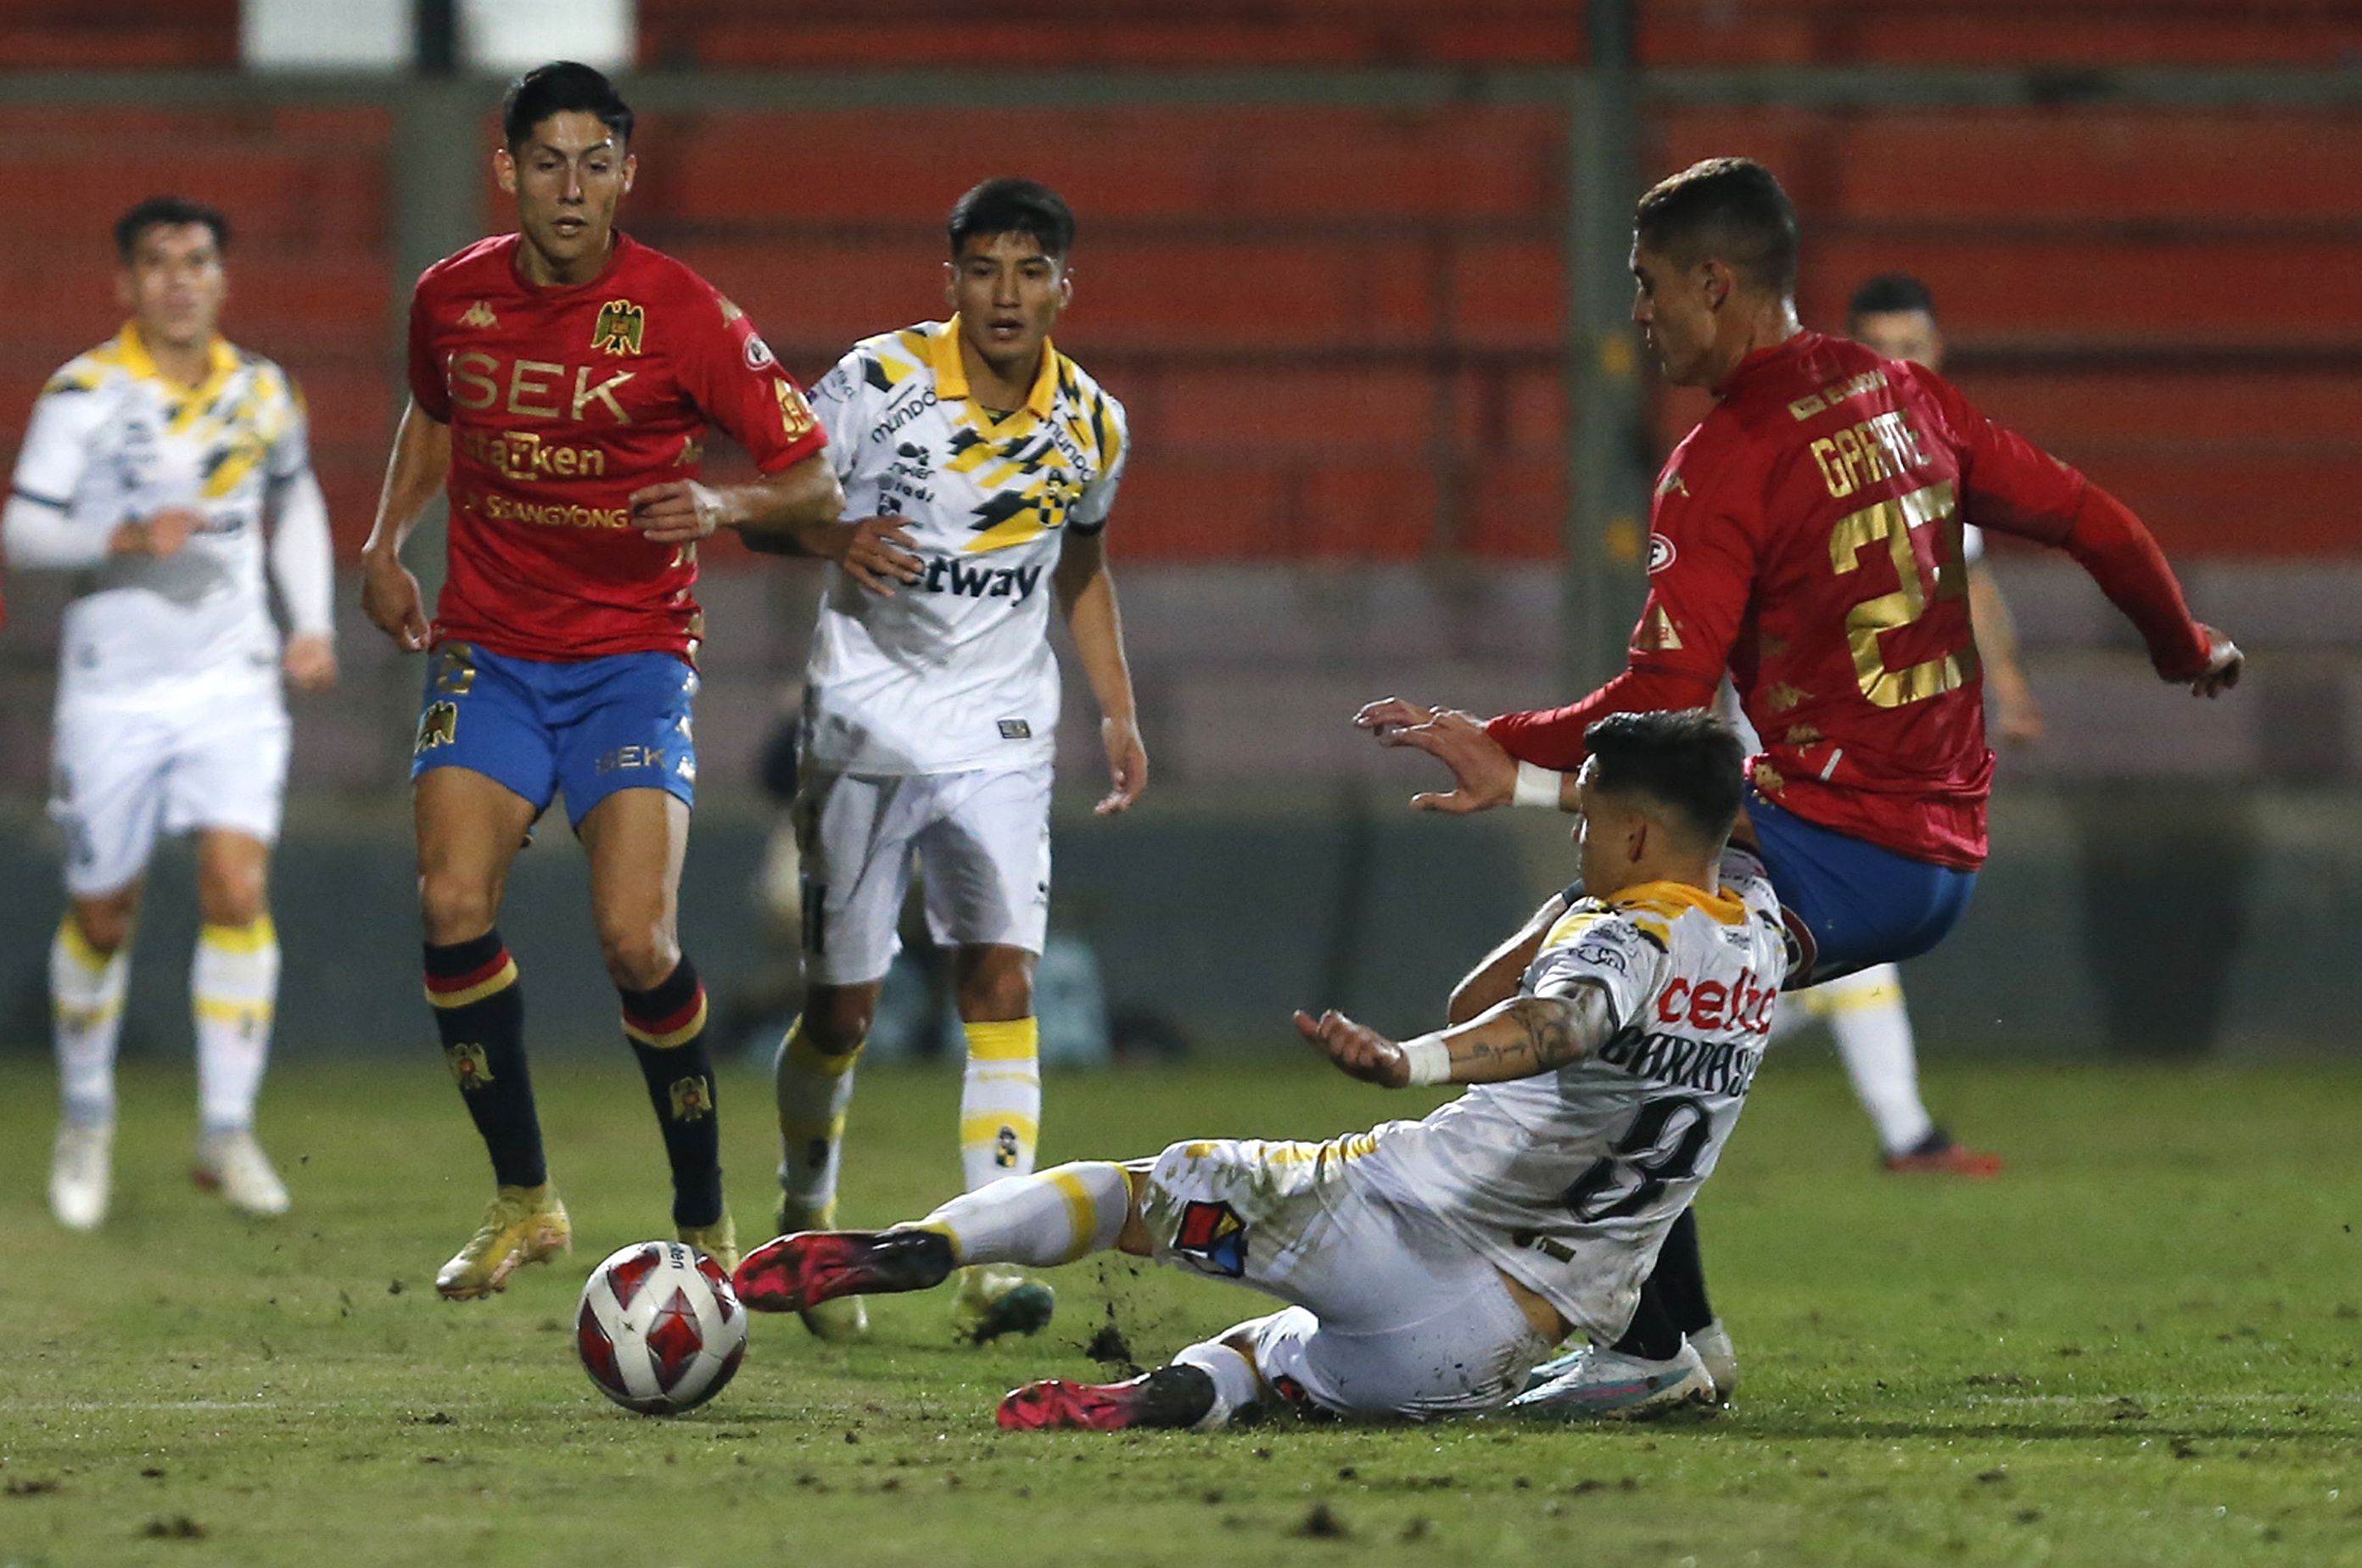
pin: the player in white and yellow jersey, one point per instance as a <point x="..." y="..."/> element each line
<point x="982" y="463"/>
<point x="149" y="469"/>
<point x="1431" y="1264"/>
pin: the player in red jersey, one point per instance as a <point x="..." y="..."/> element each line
<point x="562" y="378"/>
<point x="1806" y="537"/>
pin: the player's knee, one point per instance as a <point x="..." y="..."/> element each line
<point x="838" y="1020"/>
<point x="455" y="907"/>
<point x="996" y="993"/>
<point x="638" y="955"/>
<point x="233" y="895"/>
<point x="104" y="922"/>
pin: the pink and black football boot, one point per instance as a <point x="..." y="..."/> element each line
<point x="1169" y="1397"/>
<point x="794" y="1272"/>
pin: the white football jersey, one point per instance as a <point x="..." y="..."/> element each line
<point x="1567" y="1180"/>
<point x="112" y="440"/>
<point x="954" y="671"/>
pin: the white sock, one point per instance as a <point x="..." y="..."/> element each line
<point x="813" y="1092"/>
<point x="1000" y="1101"/>
<point x="1236" y="1386"/>
<point x="1040" y="1221"/>
<point x="86" y="1019"/>
<point x="232" y="993"/>
<point x="1867" y="1015"/>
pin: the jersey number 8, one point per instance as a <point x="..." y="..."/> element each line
<point x="1663" y="1144"/>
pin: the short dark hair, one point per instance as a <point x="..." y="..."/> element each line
<point x="563" y="86"/>
<point x="1689" y="762"/>
<point x="1009" y="205"/>
<point x="166" y="211"/>
<point x="1724" y="209"/>
<point x="1891" y="293"/>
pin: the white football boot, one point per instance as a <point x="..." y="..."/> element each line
<point x="1600" y="1384"/>
<point x="1714" y="1349"/>
<point x="82" y="1173"/>
<point x="234" y="1165"/>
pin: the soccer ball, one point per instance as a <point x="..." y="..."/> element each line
<point x="660" y="1331"/>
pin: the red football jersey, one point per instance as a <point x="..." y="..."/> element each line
<point x="563" y="401"/>
<point x="1806" y="537"/>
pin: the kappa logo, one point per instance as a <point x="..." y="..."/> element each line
<point x="1212" y="1237"/>
<point x="479" y="315"/>
<point x="1661" y="554"/>
<point x="692" y="1099"/>
<point x="620" y="328"/>
<point x="470" y="1068"/>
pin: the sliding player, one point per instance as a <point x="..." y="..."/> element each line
<point x="983" y="464"/>
<point x="1431" y="1264"/>
<point x="149" y="469"/>
<point x="561" y="380"/>
<point x="1806" y="538"/>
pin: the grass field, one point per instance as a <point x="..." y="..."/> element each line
<point x="2138" y="1347"/>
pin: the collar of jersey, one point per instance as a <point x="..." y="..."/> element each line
<point x="1725" y="907"/>
<point x="221" y="363"/>
<point x="1763" y="358"/>
<point x="951" y="376"/>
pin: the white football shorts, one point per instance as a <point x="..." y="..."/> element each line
<point x="1393" y="1315"/>
<point x="980" y="840"/>
<point x="123" y="773"/>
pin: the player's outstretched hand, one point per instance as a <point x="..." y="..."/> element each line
<point x="1127" y="764"/>
<point x="1389" y="714"/>
<point x="2223" y="664"/>
<point x="389" y="599"/>
<point x="1362" y="1052"/>
<point x="1484" y="774"/>
<point x="868" y="552"/>
<point x="311" y="661"/>
<point x="677" y="512"/>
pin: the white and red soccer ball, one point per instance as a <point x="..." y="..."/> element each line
<point x="660" y="1331"/>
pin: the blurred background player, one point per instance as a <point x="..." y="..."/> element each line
<point x="1431" y="1264"/>
<point x="1866" y="1014"/>
<point x="562" y="380"/>
<point x="149" y="469"/>
<point x="982" y="464"/>
<point x="1822" y="475"/>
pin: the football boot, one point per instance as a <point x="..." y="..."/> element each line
<point x="1169" y="1397"/>
<point x="522" y="1225"/>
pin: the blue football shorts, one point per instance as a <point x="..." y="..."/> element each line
<point x="1858" y="905"/>
<point x="586" y="727"/>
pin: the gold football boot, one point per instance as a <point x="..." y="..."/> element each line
<point x="522" y="1225"/>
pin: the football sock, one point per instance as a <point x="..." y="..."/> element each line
<point x="86" y="1019"/>
<point x="1000" y="1101"/>
<point x="1061" y="1214"/>
<point x="813" y="1091"/>
<point x="1236" y="1386"/>
<point x="667" y="1027"/>
<point x="479" y="1012"/>
<point x="1678" y="1278"/>
<point x="1651" y="1336"/>
<point x="1873" y="1028"/>
<point x="233" y="990"/>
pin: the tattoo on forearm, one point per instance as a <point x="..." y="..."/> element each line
<point x="1551" y="1030"/>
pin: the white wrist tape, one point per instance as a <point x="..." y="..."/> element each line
<point x="1429" y="1058"/>
<point x="1537" y="787"/>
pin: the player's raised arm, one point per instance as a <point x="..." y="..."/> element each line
<point x="1517" y="1039"/>
<point x="2015" y="486"/>
<point x="421" y="462"/>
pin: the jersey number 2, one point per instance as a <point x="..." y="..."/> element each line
<point x="1891" y="523"/>
<point x="1663" y="1144"/>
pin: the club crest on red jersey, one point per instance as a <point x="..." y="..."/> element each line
<point x="620" y="327"/>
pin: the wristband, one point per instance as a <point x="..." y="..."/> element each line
<point x="1537" y="786"/>
<point x="1430" y="1059"/>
